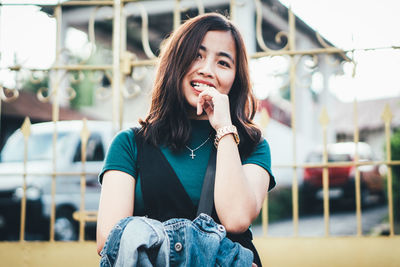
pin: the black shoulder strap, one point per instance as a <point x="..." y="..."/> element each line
<point x="206" y="202"/>
<point x="163" y="194"/>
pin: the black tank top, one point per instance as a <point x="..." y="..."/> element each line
<point x="164" y="196"/>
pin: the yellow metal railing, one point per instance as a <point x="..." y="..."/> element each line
<point x="122" y="65"/>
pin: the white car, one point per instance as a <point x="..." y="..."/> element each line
<point x="40" y="167"/>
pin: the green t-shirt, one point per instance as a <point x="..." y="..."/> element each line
<point x="122" y="156"/>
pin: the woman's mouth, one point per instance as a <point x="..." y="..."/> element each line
<point x="200" y="87"/>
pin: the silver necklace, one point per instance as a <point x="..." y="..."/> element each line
<point x="193" y="150"/>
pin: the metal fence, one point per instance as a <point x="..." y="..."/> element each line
<point x="124" y="64"/>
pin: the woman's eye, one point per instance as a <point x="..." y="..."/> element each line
<point x="198" y="55"/>
<point x="224" y="63"/>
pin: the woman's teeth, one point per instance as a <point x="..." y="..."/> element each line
<point x="198" y="85"/>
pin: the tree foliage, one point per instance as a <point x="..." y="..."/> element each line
<point x="395" y="149"/>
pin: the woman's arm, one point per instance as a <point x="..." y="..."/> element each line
<point x="239" y="189"/>
<point x="116" y="203"/>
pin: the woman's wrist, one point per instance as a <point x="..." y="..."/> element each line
<point x="224" y="131"/>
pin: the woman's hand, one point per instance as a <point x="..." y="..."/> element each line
<point x="216" y="106"/>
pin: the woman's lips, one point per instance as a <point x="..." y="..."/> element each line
<point x="197" y="92"/>
<point x="200" y="87"/>
<point x="200" y="83"/>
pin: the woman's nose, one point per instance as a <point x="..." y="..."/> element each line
<point x="206" y="68"/>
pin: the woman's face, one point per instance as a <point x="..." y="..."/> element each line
<point x="215" y="66"/>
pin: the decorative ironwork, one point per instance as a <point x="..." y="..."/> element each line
<point x="145" y="32"/>
<point x="26" y="132"/>
<point x="387" y="118"/>
<point x="35" y="79"/>
<point x="85" y="134"/>
<point x="41" y="94"/>
<point x="74" y="80"/>
<point x="324" y="120"/>
<point x="260" y="39"/>
<point x="127" y="65"/>
<point x="5" y="94"/>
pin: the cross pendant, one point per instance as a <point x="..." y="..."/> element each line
<point x="192" y="155"/>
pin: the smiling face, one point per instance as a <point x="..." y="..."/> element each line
<point x="214" y="66"/>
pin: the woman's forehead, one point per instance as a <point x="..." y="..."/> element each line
<point x="219" y="42"/>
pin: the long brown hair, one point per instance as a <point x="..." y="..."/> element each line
<point x="167" y="122"/>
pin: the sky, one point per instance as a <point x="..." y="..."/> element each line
<point x="28" y="36"/>
<point x="357" y="24"/>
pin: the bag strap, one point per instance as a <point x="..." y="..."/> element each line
<point x="206" y="202"/>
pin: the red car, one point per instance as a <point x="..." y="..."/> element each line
<point x="342" y="179"/>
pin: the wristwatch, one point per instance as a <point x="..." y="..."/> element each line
<point x="221" y="132"/>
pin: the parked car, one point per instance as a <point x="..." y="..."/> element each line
<point x="342" y="179"/>
<point x="39" y="179"/>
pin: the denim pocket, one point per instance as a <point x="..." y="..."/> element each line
<point x="111" y="246"/>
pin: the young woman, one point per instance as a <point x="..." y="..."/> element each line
<point x="202" y="99"/>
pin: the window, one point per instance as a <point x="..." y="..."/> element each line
<point x="40" y="147"/>
<point x="94" y="149"/>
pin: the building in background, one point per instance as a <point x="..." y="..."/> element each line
<point x="370" y="123"/>
<point x="274" y="92"/>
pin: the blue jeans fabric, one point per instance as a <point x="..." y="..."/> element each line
<point x="140" y="241"/>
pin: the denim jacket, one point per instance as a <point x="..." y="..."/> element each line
<point x="141" y="241"/>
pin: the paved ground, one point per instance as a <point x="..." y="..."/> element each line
<point x="341" y="224"/>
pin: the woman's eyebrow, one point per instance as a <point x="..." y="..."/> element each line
<point x="223" y="54"/>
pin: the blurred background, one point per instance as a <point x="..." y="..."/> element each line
<point x="326" y="74"/>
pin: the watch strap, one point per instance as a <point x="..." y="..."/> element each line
<point x="223" y="131"/>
